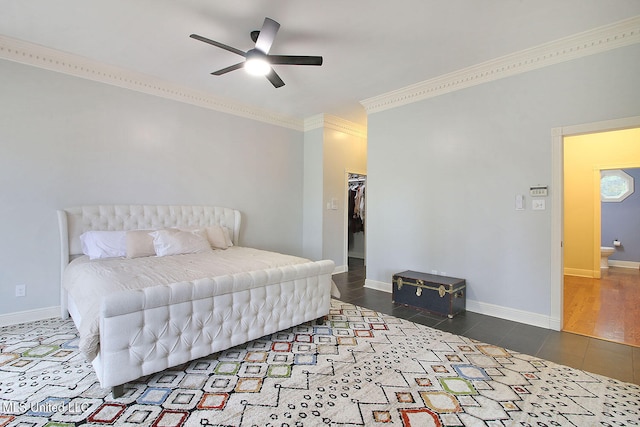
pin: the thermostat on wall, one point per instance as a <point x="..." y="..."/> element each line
<point x="538" y="191"/>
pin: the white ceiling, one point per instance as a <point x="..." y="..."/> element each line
<point x="370" y="47"/>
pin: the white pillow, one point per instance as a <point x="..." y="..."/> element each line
<point x="176" y="242"/>
<point x="104" y="244"/>
<point x="227" y="236"/>
<point x="216" y="237"/>
<point x="140" y="243"/>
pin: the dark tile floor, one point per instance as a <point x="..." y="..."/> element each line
<point x="589" y="354"/>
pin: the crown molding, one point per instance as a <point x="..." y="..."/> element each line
<point x="327" y="121"/>
<point x="601" y="39"/>
<point x="591" y="42"/>
<point x="314" y="122"/>
<point x="78" y="66"/>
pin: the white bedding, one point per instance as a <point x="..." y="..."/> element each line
<point x="88" y="281"/>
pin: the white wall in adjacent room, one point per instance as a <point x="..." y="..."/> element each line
<point x="312" y="188"/>
<point x="342" y="153"/>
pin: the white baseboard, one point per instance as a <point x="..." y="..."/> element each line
<point x="29" y="316"/>
<point x="624" y="264"/>
<point x="507" y="313"/>
<point x="612" y="263"/>
<point x="378" y="286"/>
<point x="513" y="314"/>
<point x="340" y="269"/>
<point x="579" y="272"/>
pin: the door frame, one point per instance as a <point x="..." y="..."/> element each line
<point x="557" y="197"/>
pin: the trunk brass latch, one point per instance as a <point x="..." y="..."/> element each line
<point x="399" y="282"/>
<point x="441" y="291"/>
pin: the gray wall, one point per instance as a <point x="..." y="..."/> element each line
<point x="621" y="220"/>
<point x="66" y="141"/>
<point x="313" y="184"/>
<point x="443" y="174"/>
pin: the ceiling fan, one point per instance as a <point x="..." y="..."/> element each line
<point x="257" y="60"/>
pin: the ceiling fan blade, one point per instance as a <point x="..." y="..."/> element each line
<point x="230" y="68"/>
<point x="294" y="60"/>
<point x="267" y="35"/>
<point x="275" y="79"/>
<point x="218" y="44"/>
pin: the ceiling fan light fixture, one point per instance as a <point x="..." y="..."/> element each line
<point x="258" y="61"/>
<point x="257" y="64"/>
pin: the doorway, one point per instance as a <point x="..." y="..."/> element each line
<point x="355" y="216"/>
<point x="600" y="300"/>
<point x="557" y="218"/>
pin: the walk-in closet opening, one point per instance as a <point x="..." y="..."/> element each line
<point x="355" y="217"/>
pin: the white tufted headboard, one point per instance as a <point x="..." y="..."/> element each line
<point x="75" y="221"/>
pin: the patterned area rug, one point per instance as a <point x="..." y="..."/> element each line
<point x="359" y="368"/>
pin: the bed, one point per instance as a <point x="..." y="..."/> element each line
<point x="135" y="319"/>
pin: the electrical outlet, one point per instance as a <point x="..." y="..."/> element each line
<point x="21" y="290"/>
<point x="538" y="205"/>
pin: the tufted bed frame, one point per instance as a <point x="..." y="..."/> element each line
<point x="186" y="320"/>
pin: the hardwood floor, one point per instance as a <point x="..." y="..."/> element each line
<point x="606" y="308"/>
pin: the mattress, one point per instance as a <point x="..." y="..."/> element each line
<point x="89" y="281"/>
